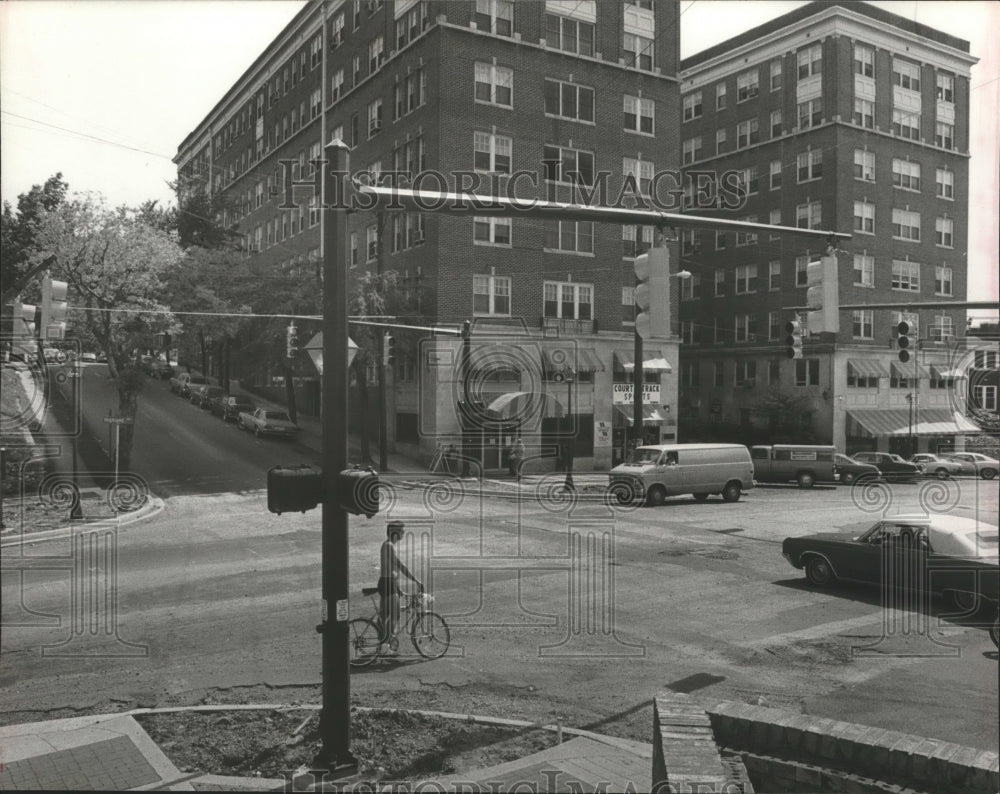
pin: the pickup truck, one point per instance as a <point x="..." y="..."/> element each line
<point x="181" y="384"/>
<point x="263" y="421"/>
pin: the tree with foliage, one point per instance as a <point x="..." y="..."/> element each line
<point x="115" y="264"/>
<point x="20" y="260"/>
<point x="781" y="414"/>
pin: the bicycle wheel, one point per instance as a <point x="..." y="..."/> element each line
<point x="431" y="636"/>
<point x="365" y="646"/>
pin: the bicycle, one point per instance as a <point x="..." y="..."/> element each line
<point x="428" y="630"/>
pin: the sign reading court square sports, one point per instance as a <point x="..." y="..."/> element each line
<point x="622" y="394"/>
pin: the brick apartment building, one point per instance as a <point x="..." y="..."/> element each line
<point x="846" y="117"/>
<point x="563" y="89"/>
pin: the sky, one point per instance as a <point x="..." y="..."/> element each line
<point x="105" y="91"/>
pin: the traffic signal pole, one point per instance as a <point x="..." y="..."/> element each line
<point x="335" y="715"/>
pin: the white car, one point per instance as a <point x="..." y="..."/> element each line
<point x="986" y="467"/>
<point x="936" y="466"/>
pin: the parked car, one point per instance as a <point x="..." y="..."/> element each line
<point x="892" y="466"/>
<point x="181" y="384"/>
<point x="264" y="421"/>
<point x="934" y="465"/>
<point x="88" y="358"/>
<point x="986" y="466"/>
<point x="200" y="395"/>
<point x="846" y="471"/>
<point x="803" y="464"/>
<point x="968" y="467"/>
<point x="658" y="471"/>
<point x="229" y="406"/>
<point x="957" y="555"/>
<point x="161" y="369"/>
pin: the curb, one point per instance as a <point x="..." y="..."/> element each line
<point x="154" y="505"/>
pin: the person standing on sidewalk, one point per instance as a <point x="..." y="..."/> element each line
<point x="388" y="582"/>
<point x="516" y="457"/>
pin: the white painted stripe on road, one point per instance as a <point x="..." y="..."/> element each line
<point x="821" y="630"/>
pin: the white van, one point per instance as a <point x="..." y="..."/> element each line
<point x="661" y="470"/>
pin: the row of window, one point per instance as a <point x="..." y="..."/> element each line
<point x="905" y="224"/>
<point x="744" y="373"/>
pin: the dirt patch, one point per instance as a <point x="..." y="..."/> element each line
<point x="30" y="514"/>
<point x="388" y="745"/>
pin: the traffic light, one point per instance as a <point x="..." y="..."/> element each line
<point x="822" y="296"/>
<point x="388" y="348"/>
<point x="294" y="488"/>
<point x="793" y="341"/>
<point x="652" y="294"/>
<point x="292" y="340"/>
<point x="357" y="491"/>
<point x="903" y="341"/>
<point x="53" y="308"/>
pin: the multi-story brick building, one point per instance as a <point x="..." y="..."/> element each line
<point x="840" y="117"/>
<point x="564" y="89"/>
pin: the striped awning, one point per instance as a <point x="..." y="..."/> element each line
<point x="905" y="371"/>
<point x="650" y="414"/>
<point x="579" y="359"/>
<point x="874" y="422"/>
<point x="654" y="361"/>
<point x="943" y="372"/>
<point x="868" y="368"/>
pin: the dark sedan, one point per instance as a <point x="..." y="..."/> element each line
<point x="202" y="395"/>
<point x="892" y="466"/>
<point x="946" y="554"/>
<point x="228" y="406"/>
<point x="846" y="471"/>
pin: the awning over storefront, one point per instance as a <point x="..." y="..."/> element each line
<point x="868" y="368"/>
<point x="905" y="371"/>
<point x="896" y="422"/>
<point x="943" y="372"/>
<point x="650" y="414"/>
<point x="520" y="403"/>
<point x="580" y="359"/>
<point x="654" y="361"/>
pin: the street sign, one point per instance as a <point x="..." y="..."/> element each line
<point x="118" y="420"/>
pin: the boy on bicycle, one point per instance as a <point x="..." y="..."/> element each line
<point x="388" y="582"/>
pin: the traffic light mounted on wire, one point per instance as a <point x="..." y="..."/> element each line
<point x="793" y="341"/>
<point x="652" y="293"/>
<point x="292" y="340"/>
<point x="53" y="323"/>
<point x="388" y="348"/>
<point x="822" y="296"/>
<point x="903" y="341"/>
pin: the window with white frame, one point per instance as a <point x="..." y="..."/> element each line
<point x="864" y="113"/>
<point x="571" y="34"/>
<point x="986" y="359"/>
<point x="906" y="124"/>
<point x="337" y="85"/>
<point x="689" y="374"/>
<point x="906" y="225"/>
<point x="906" y="276"/>
<point x="774" y="275"/>
<point x="945" y="87"/>
<point x="568" y="300"/>
<point x="775" y="70"/>
<point x="810" y="113"/>
<point x="942" y="280"/>
<point x="945" y="183"/>
<point x="720" y="96"/>
<point x="376" y="53"/>
<point x="747" y="85"/>
<point x="687" y="332"/>
<point x="864" y="165"/>
<point x="746" y="279"/>
<point x="943" y="328"/>
<point x="641" y="171"/>
<point x="863" y="324"/>
<point x="864" y="60"/>
<point x="337" y="30"/>
<point x="691" y="106"/>
<point x="491" y="295"/>
<point x="745" y="373"/>
<point x="807" y="372"/>
<point x="371" y="238"/>
<point x="775" y="123"/>
<point x="747" y="133"/>
<point x="415" y="86"/>
<point x="775" y="326"/>
<point x="775" y="174"/>
<point x="750" y="177"/>
<point x="494" y="84"/>
<point x="985" y="396"/>
<point x="944" y="135"/>
<point x="802" y="270"/>
<point x="628" y="306"/>
<point x="864" y="270"/>
<point x="636" y="240"/>
<point x="720" y="140"/>
<point x="720" y="283"/>
<point x="413" y="22"/>
<point x="315" y="103"/>
<point x="407" y="230"/>
<point x="639" y="115"/>
<point x="691" y="288"/>
<point x="905" y="174"/>
<point x="944" y="232"/>
<point x="570" y="236"/>
<point x="809" y="216"/>
<point x="857" y="380"/>
<point x="568" y="166"/>
<point x="492" y="152"/>
<point x="638" y="51"/>
<point x="375" y="116"/>
<point x="490" y="230"/>
<point x="690" y="241"/>
<point x="569" y="101"/>
<point x="906" y="74"/>
<point x="810" y="165"/>
<point x="691" y="150"/>
<point x="747" y="238"/>
<point x="356" y="69"/>
<point x="495" y="16"/>
<point x="864" y="217"/>
<point x="810" y="61"/>
<point x="745" y="328"/>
